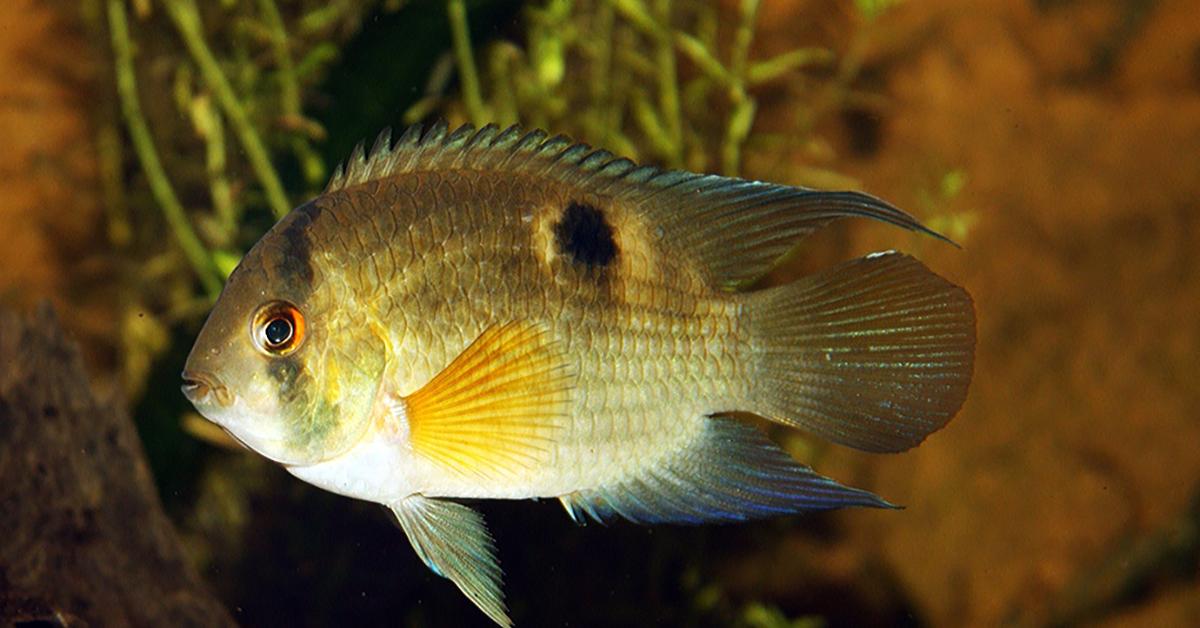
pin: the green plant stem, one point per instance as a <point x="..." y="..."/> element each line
<point x="109" y="157"/>
<point x="289" y="91"/>
<point x="218" y="183"/>
<point x="698" y="52"/>
<point x="288" y="88"/>
<point x="743" y="37"/>
<point x="186" y="18"/>
<point x="741" y="118"/>
<point x="143" y="144"/>
<point x="668" y="87"/>
<point x="504" y="63"/>
<point x="460" y="33"/>
<point x="601" y="66"/>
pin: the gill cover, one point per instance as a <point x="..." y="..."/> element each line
<point x="299" y="398"/>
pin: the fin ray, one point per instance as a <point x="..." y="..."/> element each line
<point x="453" y="541"/>
<point x="497" y="406"/>
<point x="875" y="354"/>
<point x="735" y="229"/>
<point x="733" y="473"/>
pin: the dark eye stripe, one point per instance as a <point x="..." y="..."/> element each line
<point x="287" y="372"/>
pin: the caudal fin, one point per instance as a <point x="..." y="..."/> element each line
<point x="876" y="353"/>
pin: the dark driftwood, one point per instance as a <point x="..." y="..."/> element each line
<point x="83" y="538"/>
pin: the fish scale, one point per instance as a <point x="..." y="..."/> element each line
<point x="615" y="364"/>
<point x="500" y="314"/>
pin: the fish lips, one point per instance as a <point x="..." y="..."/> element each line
<point x="217" y="403"/>
<point x="203" y="389"/>
<point x="206" y="393"/>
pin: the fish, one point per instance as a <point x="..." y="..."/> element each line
<point x="503" y="314"/>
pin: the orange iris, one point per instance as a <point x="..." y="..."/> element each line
<point x="278" y="328"/>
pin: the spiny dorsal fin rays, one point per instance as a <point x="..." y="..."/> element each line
<point x="735" y="229"/>
<point x="497" y="407"/>
<point x="453" y="541"/>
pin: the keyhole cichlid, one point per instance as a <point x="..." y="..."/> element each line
<point x="499" y="314"/>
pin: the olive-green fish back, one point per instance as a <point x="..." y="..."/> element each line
<point x="735" y="230"/>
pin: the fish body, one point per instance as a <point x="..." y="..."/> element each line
<point x="494" y="314"/>
<point x="649" y="358"/>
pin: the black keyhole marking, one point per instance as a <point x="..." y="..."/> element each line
<point x="585" y="235"/>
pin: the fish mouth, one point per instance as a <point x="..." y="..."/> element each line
<point x="204" y="389"/>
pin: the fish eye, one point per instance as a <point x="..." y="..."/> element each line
<point x="278" y="331"/>
<point x="278" y="328"/>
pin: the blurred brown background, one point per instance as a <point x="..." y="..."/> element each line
<point x="1060" y="136"/>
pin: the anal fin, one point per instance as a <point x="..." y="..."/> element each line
<point x="496" y="408"/>
<point x="733" y="473"/>
<point x="453" y="541"/>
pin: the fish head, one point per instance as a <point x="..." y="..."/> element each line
<point x="283" y="364"/>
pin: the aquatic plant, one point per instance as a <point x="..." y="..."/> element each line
<point x="211" y="97"/>
<point x="655" y="80"/>
<point x="215" y="99"/>
<point x="220" y="101"/>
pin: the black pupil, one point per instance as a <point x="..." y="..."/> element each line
<point x="278" y="331"/>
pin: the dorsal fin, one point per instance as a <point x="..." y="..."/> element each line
<point x="736" y="229"/>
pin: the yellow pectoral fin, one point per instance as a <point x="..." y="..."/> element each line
<point x="497" y="408"/>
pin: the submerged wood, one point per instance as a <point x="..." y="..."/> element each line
<point x="83" y="537"/>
